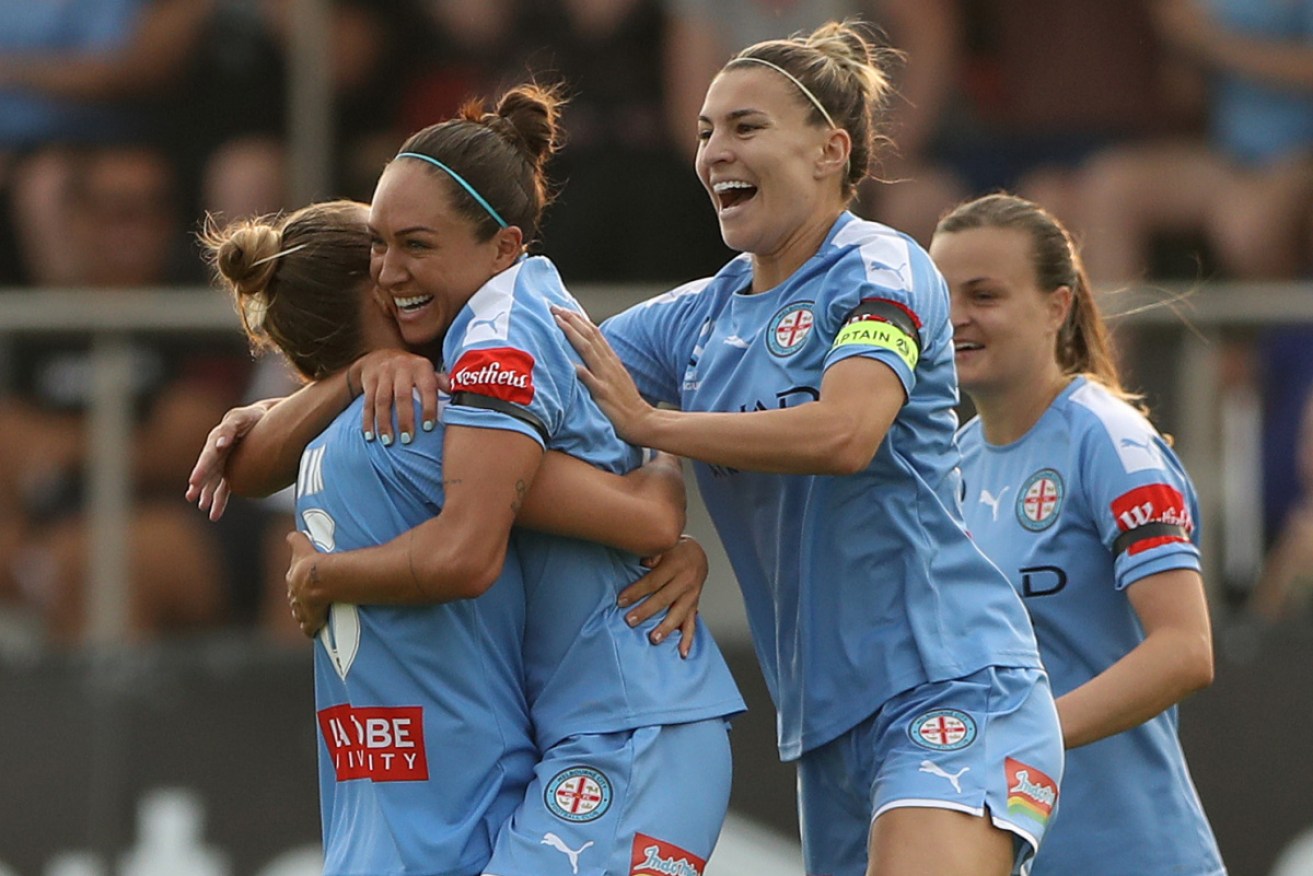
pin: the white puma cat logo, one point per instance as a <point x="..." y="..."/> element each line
<point x="551" y="839"/>
<point x="928" y="766"/>
<point x="991" y="500"/>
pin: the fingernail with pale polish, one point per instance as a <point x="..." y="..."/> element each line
<point x="369" y="436"/>
<point x="386" y="439"/>
<point x="405" y="437"/>
<point x="428" y="425"/>
<point x="632" y="620"/>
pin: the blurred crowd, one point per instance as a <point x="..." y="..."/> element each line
<point x="1174" y="136"/>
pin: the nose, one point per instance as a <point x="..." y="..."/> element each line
<point x="387" y="267"/>
<point x="958" y="315"/>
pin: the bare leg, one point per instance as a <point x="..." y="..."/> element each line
<point x="913" y="841"/>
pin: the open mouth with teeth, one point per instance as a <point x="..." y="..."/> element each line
<point x="412" y="304"/>
<point x="732" y="193"/>
<point x="966" y="346"/>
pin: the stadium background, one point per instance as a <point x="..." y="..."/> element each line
<point x="187" y="745"/>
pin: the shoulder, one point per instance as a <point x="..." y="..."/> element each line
<point x="1100" y="417"/>
<point x="882" y="255"/>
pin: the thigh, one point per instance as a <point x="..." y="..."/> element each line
<point x="987" y="746"/>
<point x="646" y="802"/>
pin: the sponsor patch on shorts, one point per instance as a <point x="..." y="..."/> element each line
<point x="943" y="730"/>
<point x="653" y="857"/>
<point x="1031" y="793"/>
<point x="578" y="794"/>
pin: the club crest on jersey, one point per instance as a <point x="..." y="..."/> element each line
<point x="1031" y="793"/>
<point x="578" y="794"/>
<point x="1040" y="500"/>
<point x="499" y="372"/>
<point x="789" y="327"/>
<point x="653" y="857"/>
<point x="942" y="730"/>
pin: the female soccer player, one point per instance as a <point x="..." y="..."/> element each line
<point x="635" y="756"/>
<point x="814" y="376"/>
<point x="426" y="738"/>
<point x="1086" y="508"/>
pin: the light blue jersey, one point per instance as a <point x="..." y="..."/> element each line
<point x="424" y="740"/>
<point x="1088" y="502"/>
<point x="587" y="670"/>
<point x="857" y="587"/>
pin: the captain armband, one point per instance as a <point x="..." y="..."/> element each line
<point x="878" y="322"/>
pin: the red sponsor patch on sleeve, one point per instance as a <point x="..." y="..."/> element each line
<point x="1153" y="504"/>
<point x="652" y="857"/>
<point x="382" y="744"/>
<point x="499" y="372"/>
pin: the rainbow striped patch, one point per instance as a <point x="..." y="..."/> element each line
<point x="1031" y="793"/>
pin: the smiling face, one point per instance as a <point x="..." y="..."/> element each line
<point x="771" y="173"/>
<point x="425" y="256"/>
<point x="1004" y="326"/>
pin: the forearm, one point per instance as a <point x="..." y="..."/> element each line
<point x="809" y="439"/>
<point x="424" y="566"/>
<point x="267" y="457"/>
<point x="1160" y="672"/>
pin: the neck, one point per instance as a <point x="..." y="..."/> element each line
<point x="1009" y="413"/>
<point x="771" y="269"/>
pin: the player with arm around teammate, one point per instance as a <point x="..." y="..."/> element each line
<point x="1071" y="490"/>
<point x="815" y="386"/>
<point x="426" y="745"/>
<point x="635" y="769"/>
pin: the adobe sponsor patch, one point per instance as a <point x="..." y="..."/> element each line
<point x="499" y="372"/>
<point x="379" y="743"/>
<point x="652" y="857"/>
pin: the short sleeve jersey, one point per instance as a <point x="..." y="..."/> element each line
<point x="587" y="670"/>
<point x="404" y="786"/>
<point x="1088" y="502"/>
<point x="857" y="587"/>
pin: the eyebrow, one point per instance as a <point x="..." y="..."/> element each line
<point x="413" y="229"/>
<point x="736" y="114"/>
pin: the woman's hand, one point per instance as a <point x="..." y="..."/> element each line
<point x="388" y="379"/>
<point x="675" y="586"/>
<point x="309" y="610"/>
<point x="606" y="376"/>
<point x="206" y="485"/>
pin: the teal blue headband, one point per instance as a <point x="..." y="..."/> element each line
<point x="460" y="180"/>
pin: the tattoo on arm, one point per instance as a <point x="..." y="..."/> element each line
<point x="521" y="490"/>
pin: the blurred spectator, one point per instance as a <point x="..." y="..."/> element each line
<point x="1048" y="83"/>
<point x="916" y="186"/>
<point x="206" y="80"/>
<point x="1245" y="188"/>
<point x="1287" y="574"/>
<point x="630" y="207"/>
<point x="119" y="229"/>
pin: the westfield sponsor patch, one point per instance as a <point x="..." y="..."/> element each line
<point x="1153" y="504"/>
<point x="652" y="857"/>
<point x="379" y="743"/>
<point x="499" y="372"/>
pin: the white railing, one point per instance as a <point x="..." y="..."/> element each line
<point x="1201" y="319"/>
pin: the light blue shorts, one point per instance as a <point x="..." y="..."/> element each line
<point x="989" y="742"/>
<point x="646" y="802"/>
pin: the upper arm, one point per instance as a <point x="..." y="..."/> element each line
<point x="1171" y="600"/>
<point x="487" y="474"/>
<point x="868" y="395"/>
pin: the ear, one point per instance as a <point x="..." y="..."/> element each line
<point x="510" y="246"/>
<point x="835" y="153"/>
<point x="1059" y="305"/>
